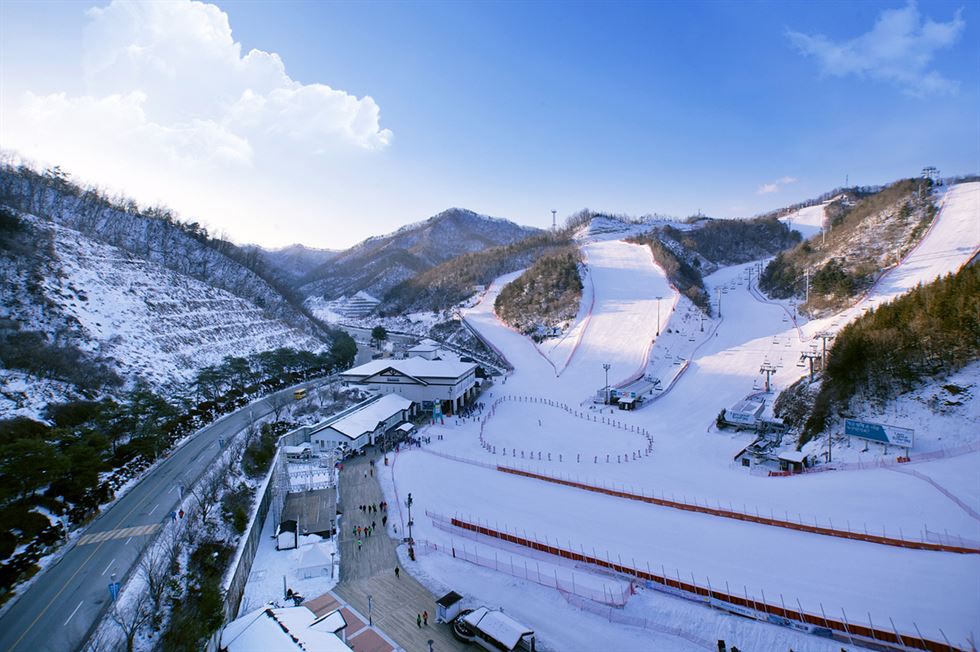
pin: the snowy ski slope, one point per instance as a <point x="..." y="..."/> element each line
<point x="808" y="221"/>
<point x="931" y="591"/>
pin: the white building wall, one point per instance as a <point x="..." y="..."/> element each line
<point x="421" y="393"/>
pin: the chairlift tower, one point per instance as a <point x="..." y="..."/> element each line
<point x="606" y="367"/>
<point x="554" y="220"/>
<point x="768" y="369"/>
<point x="824" y="336"/>
<point x="810" y="356"/>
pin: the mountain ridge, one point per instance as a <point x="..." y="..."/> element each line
<point x="378" y="263"/>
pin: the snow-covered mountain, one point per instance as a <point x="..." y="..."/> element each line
<point x="95" y="294"/>
<point x="295" y="261"/>
<point x="379" y="263"/>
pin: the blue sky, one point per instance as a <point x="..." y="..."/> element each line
<point x="372" y="115"/>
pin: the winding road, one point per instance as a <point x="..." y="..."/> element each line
<point x="58" y="610"/>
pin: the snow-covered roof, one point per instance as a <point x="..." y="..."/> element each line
<point x="498" y="626"/>
<point x="792" y="456"/>
<point x="332" y="622"/>
<point x="297" y="450"/>
<point x="414" y="366"/>
<point x="424" y="345"/>
<point x="406" y="427"/>
<point x="279" y="629"/>
<point x="314" y="556"/>
<point x="367" y="418"/>
<point x="749" y="405"/>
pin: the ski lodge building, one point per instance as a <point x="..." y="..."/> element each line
<point x="362" y="426"/>
<point x="449" y="383"/>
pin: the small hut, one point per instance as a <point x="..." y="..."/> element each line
<point x="448" y="606"/>
<point x="286" y="536"/>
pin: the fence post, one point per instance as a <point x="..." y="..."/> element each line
<point x="871" y="626"/>
<point x="895" y="629"/>
<point x="847" y="626"/>
<point x="826" y="622"/>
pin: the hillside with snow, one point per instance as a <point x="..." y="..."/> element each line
<point x="149" y="321"/>
<point x="851" y="240"/>
<point x="96" y="296"/>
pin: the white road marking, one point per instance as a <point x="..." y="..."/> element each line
<point x="107" y="567"/>
<point x="128" y="540"/>
<point x="153" y="510"/>
<point x="73" y="613"/>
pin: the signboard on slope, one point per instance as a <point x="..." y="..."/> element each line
<point x="879" y="432"/>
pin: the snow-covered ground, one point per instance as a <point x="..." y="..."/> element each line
<point x="931" y="591"/>
<point x="271" y="568"/>
<point x="154" y="321"/>
<point x="22" y="395"/>
<point x="658" y="622"/>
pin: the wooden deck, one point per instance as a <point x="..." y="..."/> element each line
<point x="395" y="601"/>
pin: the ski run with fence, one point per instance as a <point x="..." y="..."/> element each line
<point x="746" y="605"/>
<point x="927" y="539"/>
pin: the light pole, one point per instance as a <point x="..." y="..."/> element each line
<point x="606" y="366"/>
<point x="410" y="522"/>
<point x="658" y="315"/>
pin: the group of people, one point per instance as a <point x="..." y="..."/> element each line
<point x="374" y="508"/>
<point x="472" y="410"/>
<point x="367" y="530"/>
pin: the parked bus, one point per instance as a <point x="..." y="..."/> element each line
<point x="299" y="394"/>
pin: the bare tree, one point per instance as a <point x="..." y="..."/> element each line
<point x="131" y="617"/>
<point x="208" y="491"/>
<point x="278" y="403"/>
<point x="156" y="570"/>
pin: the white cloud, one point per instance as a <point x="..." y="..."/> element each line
<point x="168" y="77"/>
<point x="775" y="186"/>
<point x="899" y="49"/>
<point x="172" y="112"/>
